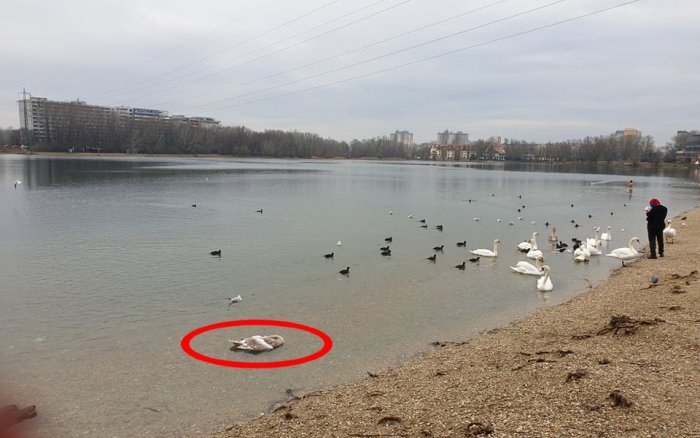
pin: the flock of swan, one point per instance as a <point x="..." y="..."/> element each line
<point x="582" y="252"/>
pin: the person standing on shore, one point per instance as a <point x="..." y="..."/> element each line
<point x="656" y="221"/>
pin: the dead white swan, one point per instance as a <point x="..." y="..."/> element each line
<point x="257" y="343"/>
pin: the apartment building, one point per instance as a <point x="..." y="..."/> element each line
<point x="41" y="118"/>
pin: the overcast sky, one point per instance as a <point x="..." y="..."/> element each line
<point x="536" y="70"/>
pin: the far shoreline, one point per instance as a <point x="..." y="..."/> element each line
<point x="615" y="164"/>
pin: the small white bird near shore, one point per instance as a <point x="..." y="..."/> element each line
<point x="234" y="300"/>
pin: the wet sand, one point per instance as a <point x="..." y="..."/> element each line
<point x="620" y="360"/>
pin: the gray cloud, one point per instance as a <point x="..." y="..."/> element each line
<point x="241" y="62"/>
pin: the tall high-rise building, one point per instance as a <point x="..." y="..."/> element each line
<point x="402" y="137"/>
<point x="456" y="138"/>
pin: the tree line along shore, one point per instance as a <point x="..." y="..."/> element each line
<point x="162" y="137"/>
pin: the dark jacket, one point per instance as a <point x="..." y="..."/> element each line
<point x="656" y="218"/>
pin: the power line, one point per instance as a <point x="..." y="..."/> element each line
<point x="185" y="44"/>
<point x="451" y="52"/>
<point x="376" y="58"/>
<point x="366" y="46"/>
<point x="278" y="50"/>
<point x="297" y="18"/>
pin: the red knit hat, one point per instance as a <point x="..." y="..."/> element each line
<point x="654" y="202"/>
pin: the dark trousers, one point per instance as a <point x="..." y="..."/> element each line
<point x="654" y="238"/>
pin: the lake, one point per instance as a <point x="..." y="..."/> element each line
<point x="105" y="265"/>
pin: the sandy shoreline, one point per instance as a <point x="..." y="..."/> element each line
<point x="569" y="370"/>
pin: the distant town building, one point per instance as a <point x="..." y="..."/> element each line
<point x="451" y="152"/>
<point x="691" y="147"/>
<point x="453" y="138"/>
<point x="628" y="133"/>
<point x="40" y="118"/>
<point x="402" y="137"/>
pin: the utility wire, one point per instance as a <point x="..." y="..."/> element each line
<point x="375" y="58"/>
<point x="286" y="23"/>
<point x="186" y="43"/>
<point x="274" y="51"/>
<point x="366" y="46"/>
<point x="451" y="52"/>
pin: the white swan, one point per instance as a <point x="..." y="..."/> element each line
<point x="591" y="241"/>
<point x="594" y="249"/>
<point x="669" y="233"/>
<point x="607" y="235"/>
<point x="527" y="245"/>
<point x="526" y="268"/>
<point x="487" y="252"/>
<point x="258" y="343"/>
<point x="626" y="253"/>
<point x="534" y="251"/>
<point x="582" y="254"/>
<point x="544" y="283"/>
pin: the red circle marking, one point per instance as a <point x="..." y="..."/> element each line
<point x="187" y="348"/>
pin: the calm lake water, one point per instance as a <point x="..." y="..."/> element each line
<point x="105" y="266"/>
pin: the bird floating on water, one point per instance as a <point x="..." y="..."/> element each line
<point x="474" y="259"/>
<point x="461" y="266"/>
<point x="345" y="271"/>
<point x="329" y="255"/>
<point x="234" y="300"/>
<point x="463" y="243"/>
<point x="544" y="283"/>
<point x="432" y="258"/>
<point x="257" y="343"/>
<point x="216" y="253"/>
<point x="487" y="252"/>
<point x="339" y="243"/>
<point x="259" y="211"/>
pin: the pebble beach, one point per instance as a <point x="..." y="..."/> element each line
<point x="619" y="360"/>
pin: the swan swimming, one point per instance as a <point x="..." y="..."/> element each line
<point x="534" y="251"/>
<point x="607" y="235"/>
<point x="669" y="233"/>
<point x="527" y="245"/>
<point x="591" y="241"/>
<point x="626" y="253"/>
<point x="487" y="252"/>
<point x="594" y="249"/>
<point x="582" y="254"/>
<point x="527" y="268"/>
<point x="544" y="283"/>
<point x="234" y="300"/>
<point x="257" y="343"/>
